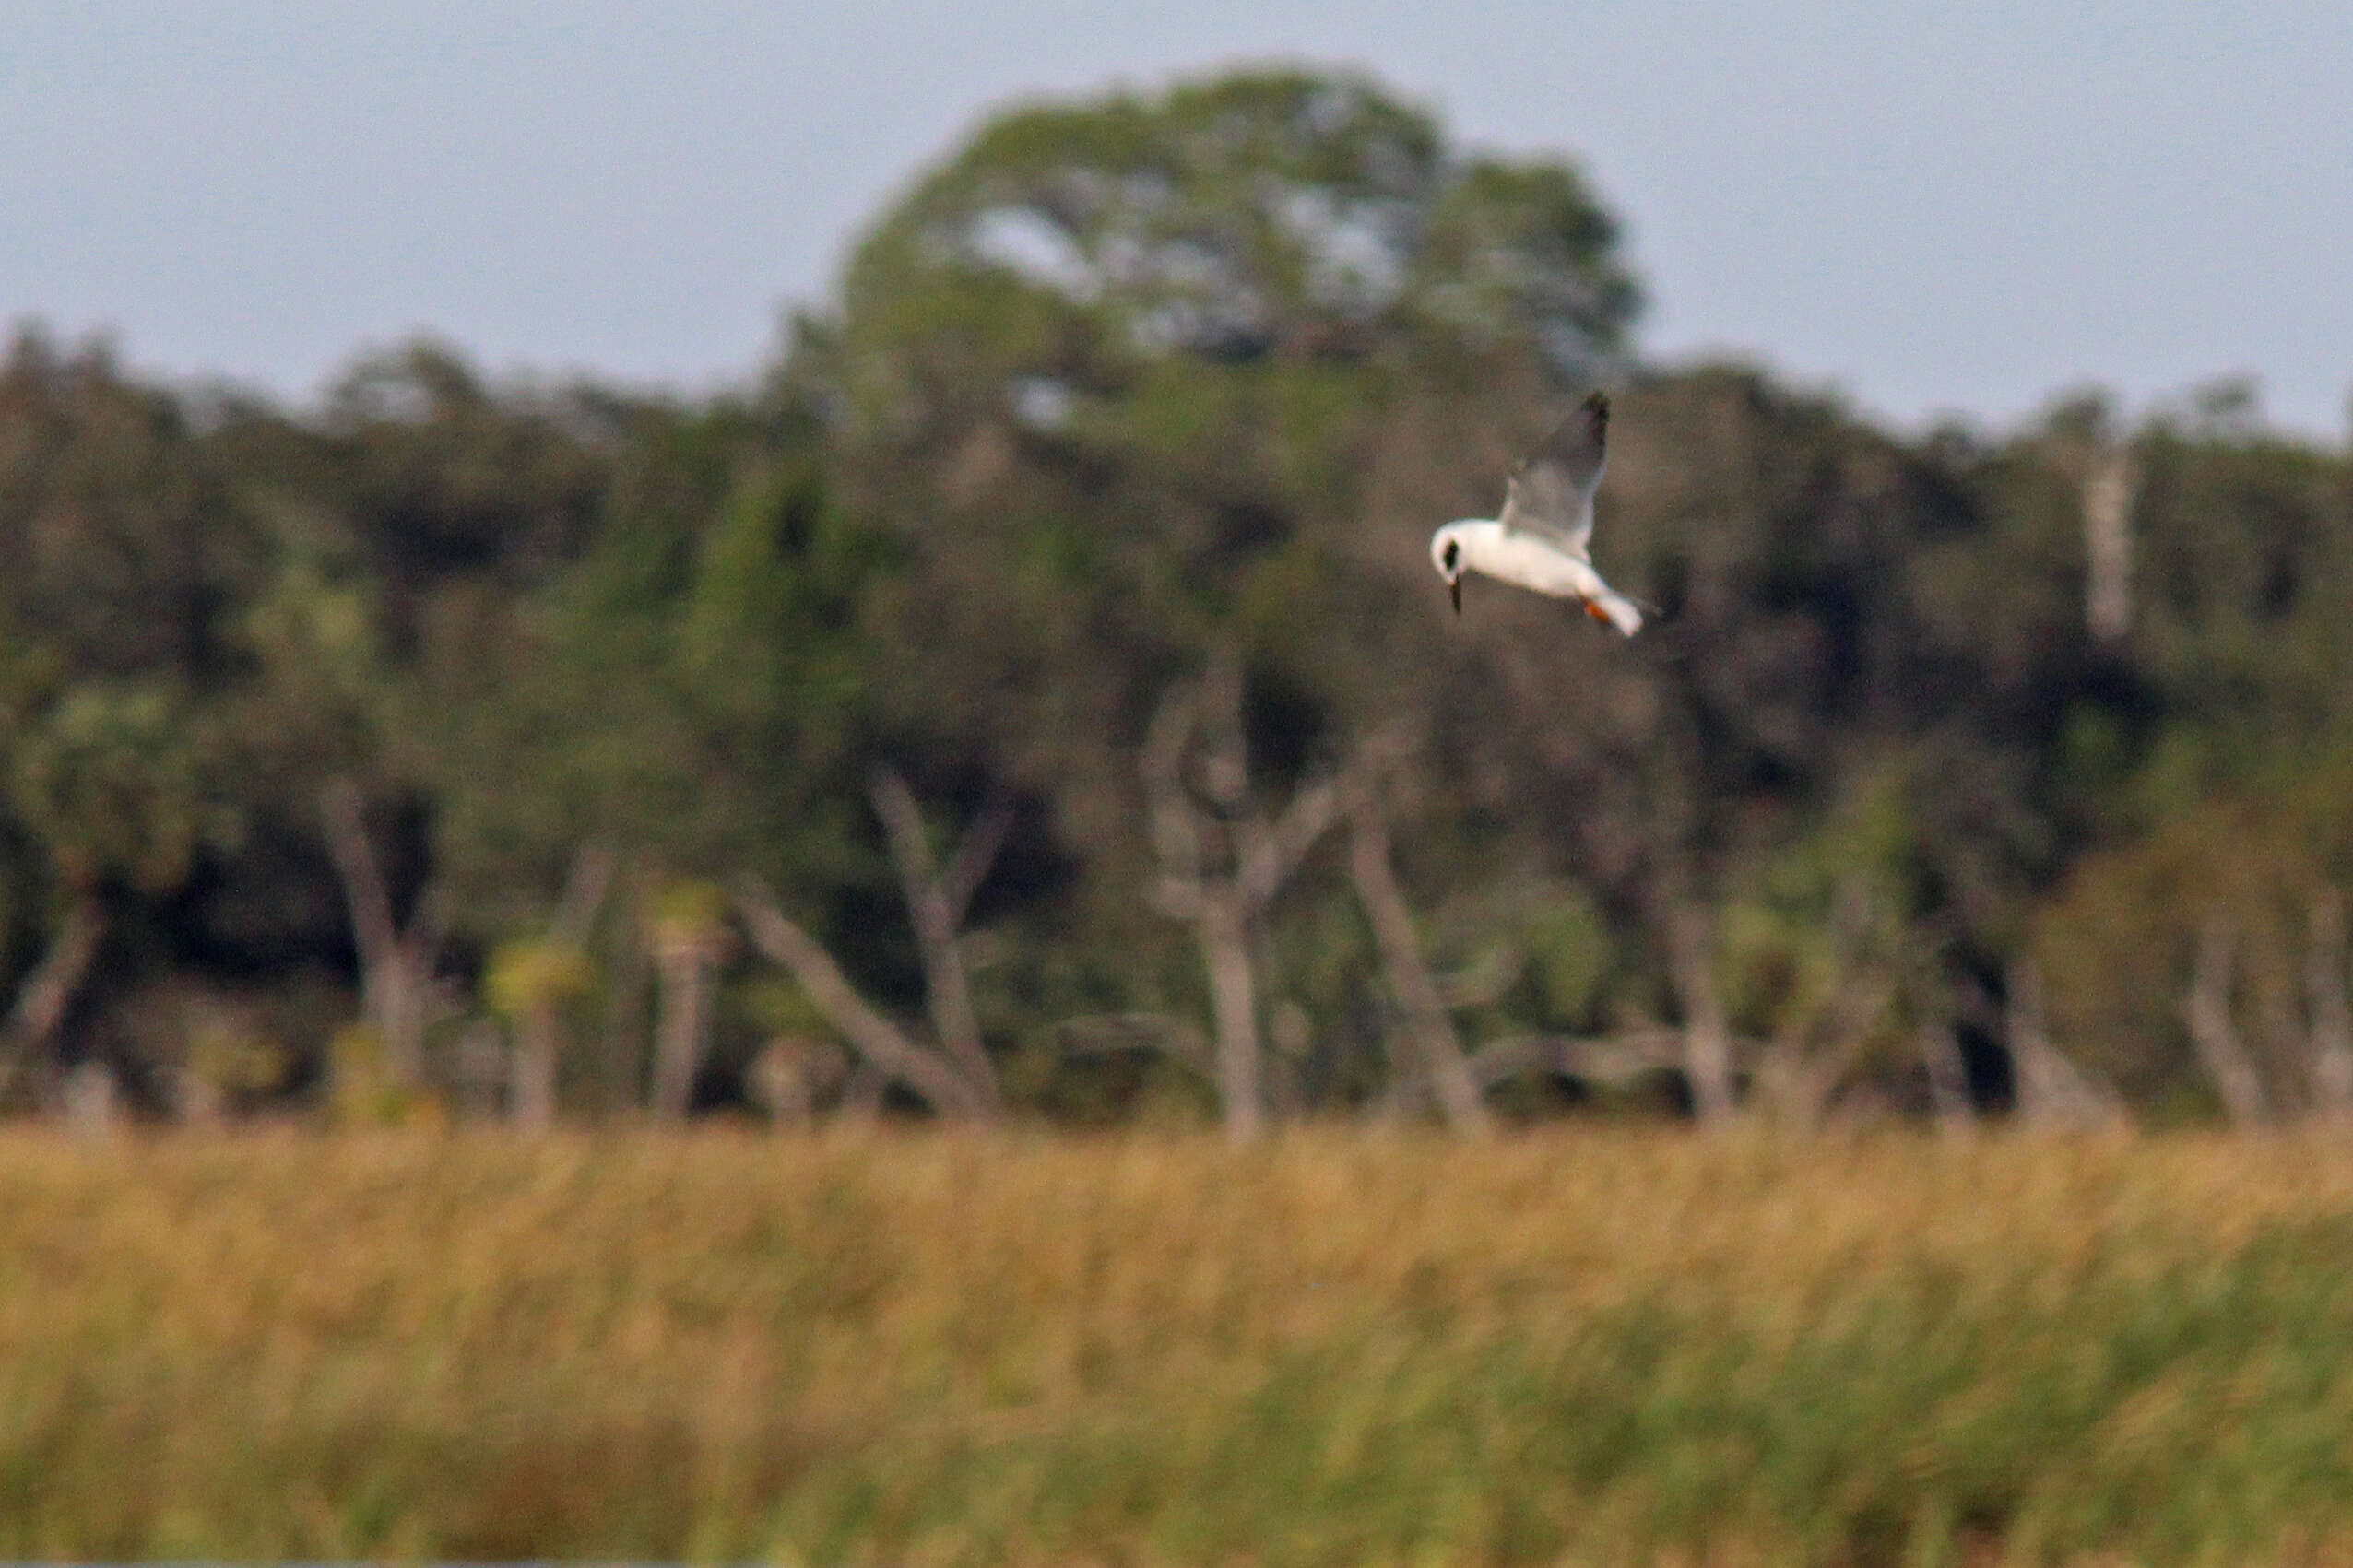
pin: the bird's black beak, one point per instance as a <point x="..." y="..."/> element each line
<point x="1455" y="588"/>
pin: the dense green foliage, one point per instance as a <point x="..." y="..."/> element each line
<point x="1124" y="391"/>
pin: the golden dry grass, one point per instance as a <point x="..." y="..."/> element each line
<point x="1341" y="1348"/>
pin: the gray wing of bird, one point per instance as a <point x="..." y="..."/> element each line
<point x="1552" y="491"/>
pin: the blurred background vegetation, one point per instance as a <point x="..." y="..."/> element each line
<point x="1032" y="700"/>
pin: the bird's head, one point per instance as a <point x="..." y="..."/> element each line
<point x="1446" y="554"/>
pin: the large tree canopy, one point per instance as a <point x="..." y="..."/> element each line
<point x="1131" y="366"/>
<point x="1025" y="635"/>
<point x="1066" y="248"/>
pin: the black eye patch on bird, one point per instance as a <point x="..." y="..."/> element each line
<point x="1452" y="550"/>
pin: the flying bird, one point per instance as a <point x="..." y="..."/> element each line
<point x="1540" y="541"/>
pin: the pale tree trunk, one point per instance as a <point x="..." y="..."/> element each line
<point x="2212" y="1033"/>
<point x="1707" y="1055"/>
<point x="1223" y="931"/>
<point x="483" y="1070"/>
<point x="862" y="1095"/>
<point x="534" y="1086"/>
<point x="538" y="1043"/>
<point x="1221" y="862"/>
<point x="623" y="1054"/>
<point x="2108" y="544"/>
<point x="1947" y="1072"/>
<point x="92" y="1100"/>
<point x="396" y="967"/>
<point x="41" y="1004"/>
<point x="2332" y="1016"/>
<point x="1437" y="1048"/>
<point x="405" y="1008"/>
<point x="682" y="1024"/>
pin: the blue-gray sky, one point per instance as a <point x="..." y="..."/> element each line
<point x="1933" y="208"/>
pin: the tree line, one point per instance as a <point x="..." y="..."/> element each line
<point x="1030" y="698"/>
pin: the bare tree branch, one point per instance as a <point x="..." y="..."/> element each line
<point x="876" y="1039"/>
<point x="975" y="856"/>
<point x="1220" y="863"/>
<point x="1225" y="754"/>
<point x="1436" y="1043"/>
<point x="1271" y="853"/>
<point x="1179" y="898"/>
<point x="49" y="990"/>
<point x="1098" y="1032"/>
<point x="1617" y="1059"/>
<point x="930" y="910"/>
<point x="1813" y="1058"/>
<point x="41" y="1003"/>
<point x="2050" y="1089"/>
<point x="903" y="821"/>
<point x="1162" y="764"/>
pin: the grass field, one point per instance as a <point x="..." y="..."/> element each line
<point x="1343" y="1347"/>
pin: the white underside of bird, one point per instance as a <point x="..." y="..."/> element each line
<point x="1528" y="560"/>
<point x="1541" y="540"/>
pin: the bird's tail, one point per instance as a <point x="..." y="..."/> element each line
<point x="1616" y="608"/>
